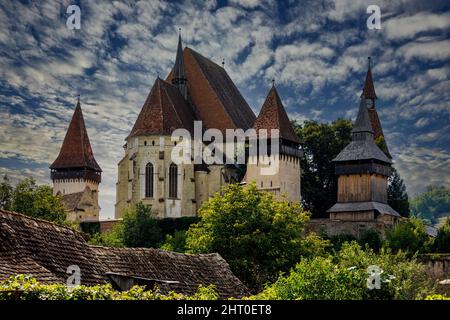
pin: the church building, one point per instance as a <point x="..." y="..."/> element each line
<point x="197" y="89"/>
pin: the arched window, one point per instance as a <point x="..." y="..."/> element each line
<point x="173" y="181"/>
<point x="149" y="180"/>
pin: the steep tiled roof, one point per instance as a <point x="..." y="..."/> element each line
<point x="45" y="251"/>
<point x="369" y="88"/>
<point x="274" y="116"/>
<point x="76" y="151"/>
<point x="181" y="272"/>
<point x="164" y="110"/>
<point x="215" y="97"/>
<point x="377" y="129"/>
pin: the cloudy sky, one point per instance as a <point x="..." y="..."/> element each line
<point x="316" y="50"/>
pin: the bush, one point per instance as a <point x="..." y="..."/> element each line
<point x="338" y="240"/>
<point x="442" y="241"/>
<point x="409" y="236"/>
<point x="371" y="238"/>
<point x="24" y="287"/>
<point x="137" y="229"/>
<point x="345" y="276"/>
<point x="257" y="235"/>
<point x="176" y="243"/>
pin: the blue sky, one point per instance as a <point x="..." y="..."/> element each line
<point x="316" y="50"/>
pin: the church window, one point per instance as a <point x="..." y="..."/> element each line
<point x="145" y="142"/>
<point x="153" y="142"/>
<point x="149" y="180"/>
<point x="173" y="181"/>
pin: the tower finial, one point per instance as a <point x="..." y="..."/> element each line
<point x="223" y="62"/>
<point x="157" y="73"/>
<point x="273" y="82"/>
<point x="370" y="62"/>
<point x="78" y="98"/>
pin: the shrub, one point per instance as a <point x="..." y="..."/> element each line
<point x="176" y="243"/>
<point x="24" y="287"/>
<point x="371" y="238"/>
<point x="345" y="276"/>
<point x="409" y="236"/>
<point x="442" y="241"/>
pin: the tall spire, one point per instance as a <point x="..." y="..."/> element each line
<point x="369" y="89"/>
<point x="362" y="129"/>
<point x="179" y="75"/>
<point x="76" y="151"/>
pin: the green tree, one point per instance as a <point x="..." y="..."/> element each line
<point x="6" y="193"/>
<point x="321" y="143"/>
<point x="432" y="204"/>
<point x="409" y="236"/>
<point x="176" y="242"/>
<point x="442" y="241"/>
<point x="257" y="235"/>
<point x="397" y="196"/>
<point x="138" y="228"/>
<point x="37" y="201"/>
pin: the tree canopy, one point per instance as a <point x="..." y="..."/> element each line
<point x="30" y="199"/>
<point x="256" y="234"/>
<point x="431" y="205"/>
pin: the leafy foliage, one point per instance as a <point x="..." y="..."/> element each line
<point x="321" y="143"/>
<point x="6" y="192"/>
<point x="371" y="238"/>
<point x="442" y="241"/>
<point x="257" y="235"/>
<point x="409" y="236"/>
<point x="432" y="204"/>
<point x="397" y="196"/>
<point x="30" y="199"/>
<point x="24" y="287"/>
<point x="176" y="242"/>
<point x="137" y="229"/>
<point x="344" y="276"/>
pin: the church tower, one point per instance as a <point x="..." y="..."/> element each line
<point x="76" y="174"/>
<point x="369" y="96"/>
<point x="363" y="170"/>
<point x="286" y="180"/>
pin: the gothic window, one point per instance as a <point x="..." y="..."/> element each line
<point x="173" y="181"/>
<point x="149" y="180"/>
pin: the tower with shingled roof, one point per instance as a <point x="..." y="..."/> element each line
<point x="284" y="182"/>
<point x="363" y="169"/>
<point x="75" y="173"/>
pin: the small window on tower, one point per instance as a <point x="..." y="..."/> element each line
<point x="145" y="142"/>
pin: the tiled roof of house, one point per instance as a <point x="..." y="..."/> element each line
<point x="164" y="110"/>
<point x="180" y="272"/>
<point x="274" y="116"/>
<point x="76" y="151"/>
<point x="45" y="251"/>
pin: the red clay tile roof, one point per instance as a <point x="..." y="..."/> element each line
<point x="76" y="151"/>
<point x="45" y="250"/>
<point x="164" y="110"/>
<point x="274" y="116"/>
<point x="369" y="89"/>
<point x="377" y="129"/>
<point x="215" y="98"/>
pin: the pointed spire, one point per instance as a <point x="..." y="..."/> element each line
<point x="369" y="88"/>
<point x="362" y="123"/>
<point x="76" y="151"/>
<point x="274" y="116"/>
<point x="179" y="75"/>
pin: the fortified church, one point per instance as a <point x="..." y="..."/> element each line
<point x="197" y="89"/>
